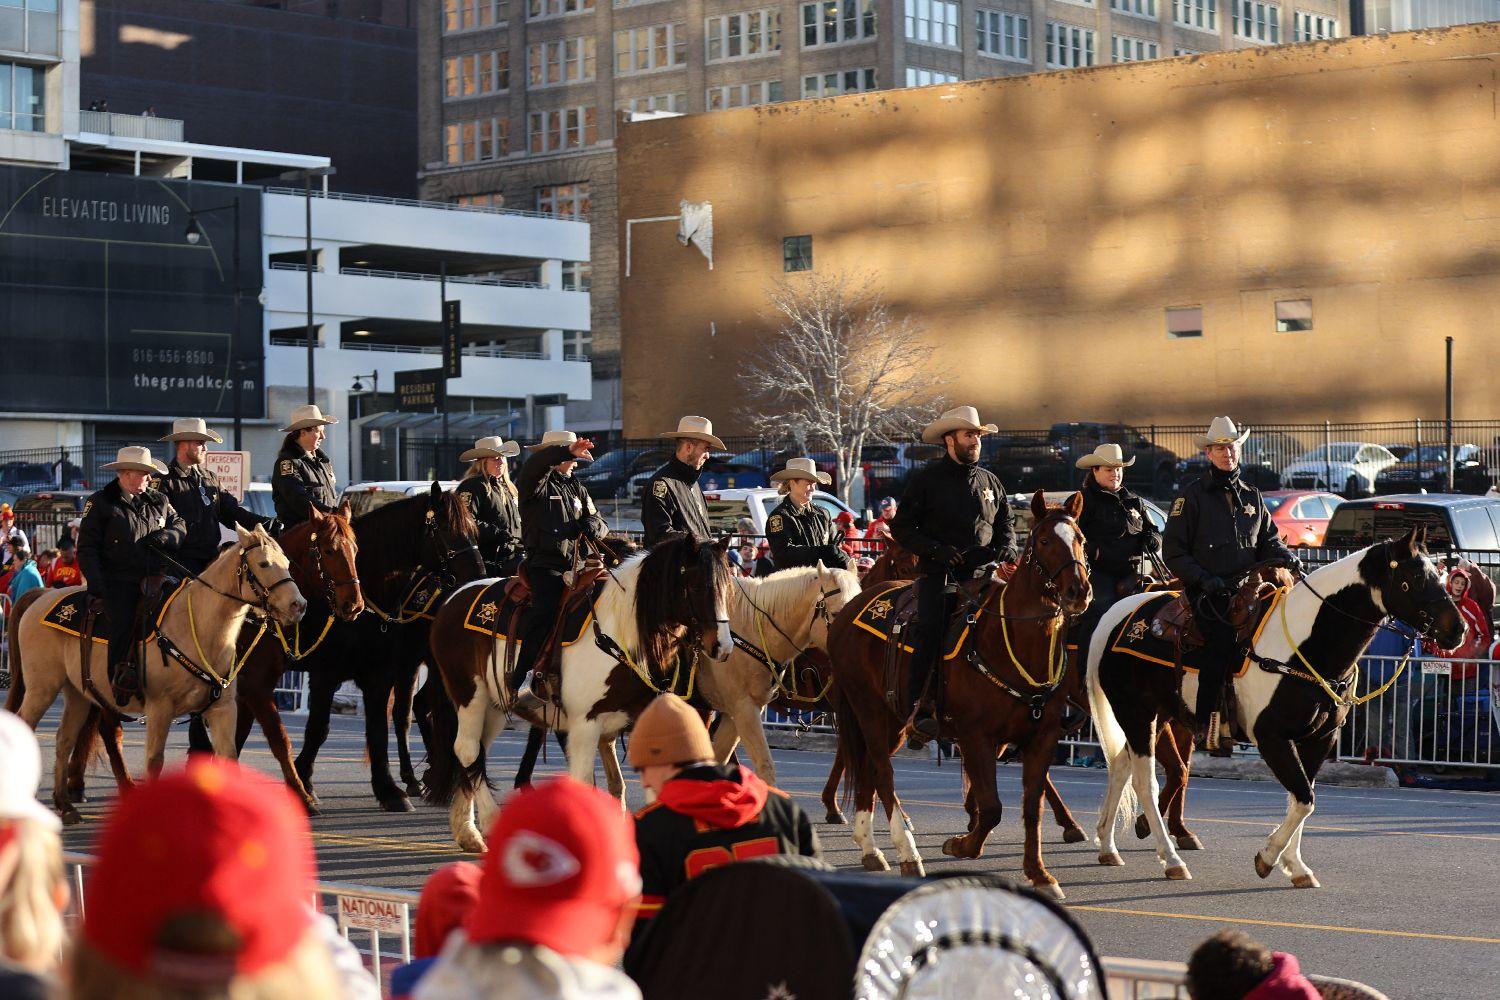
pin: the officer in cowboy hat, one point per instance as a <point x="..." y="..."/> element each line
<point x="304" y="474"/>
<point x="194" y="492"/>
<point x="491" y="497"/>
<point x="1217" y="529"/>
<point x="673" y="500"/>
<point x="122" y="526"/>
<point x="1116" y="530"/>
<point x="954" y="518"/>
<point x="800" y="532"/>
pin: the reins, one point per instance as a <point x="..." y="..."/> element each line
<point x="761" y="654"/>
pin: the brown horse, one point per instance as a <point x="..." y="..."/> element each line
<point x="894" y="563"/>
<point x="1005" y="686"/>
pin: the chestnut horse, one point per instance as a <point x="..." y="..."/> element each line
<point x="1006" y="686"/>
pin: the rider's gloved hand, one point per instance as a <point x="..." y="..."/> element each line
<point x="1214" y="586"/>
<point x="1295" y="565"/>
<point x="1152" y="543"/>
<point x="948" y="555"/>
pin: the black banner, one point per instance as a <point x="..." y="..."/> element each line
<point x="107" y="308"/>
<point x="419" y="390"/>
<point x="453" y="355"/>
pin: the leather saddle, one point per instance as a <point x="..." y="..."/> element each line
<point x="1176" y="622"/>
<point x="576" y="599"/>
<point x="903" y="615"/>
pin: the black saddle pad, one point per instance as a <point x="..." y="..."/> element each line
<point x="492" y="613"/>
<point x="67" y="614"/>
<point x="1135" y="637"/>
<point x="882" y="614"/>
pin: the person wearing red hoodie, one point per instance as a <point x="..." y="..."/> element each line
<point x="1231" y="965"/>
<point x="448" y="896"/>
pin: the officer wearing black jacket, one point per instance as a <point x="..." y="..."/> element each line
<point x="673" y="500"/>
<point x="800" y="532"/>
<point x="491" y="497"/>
<point x="122" y="523"/>
<point x="954" y="516"/>
<point x="1218" y="528"/>
<point x="194" y="492"/>
<point x="1117" y="533"/>
<point x="556" y="511"/>
<point x="304" y="477"/>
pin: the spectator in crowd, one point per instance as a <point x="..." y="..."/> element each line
<point x="845" y="523"/>
<point x="744" y="528"/>
<point x="69" y="537"/>
<point x="45" y="560"/>
<point x="746" y="557"/>
<point x="25" y="575"/>
<point x="10" y="535"/>
<point x="1231" y="965"/>
<point x="878" y="534"/>
<point x="556" y="902"/>
<point x="764" y="564"/>
<point x="1479" y="635"/>
<point x="33" y="888"/>
<point x="448" y="897"/>
<point x="736" y="561"/>
<point x="65" y="570"/>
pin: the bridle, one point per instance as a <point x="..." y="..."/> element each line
<point x="1050" y="595"/>
<point x="447" y="555"/>
<point x="328" y="582"/>
<point x="243" y="573"/>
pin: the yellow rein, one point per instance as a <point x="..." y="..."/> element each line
<point x="203" y="660"/>
<point x="1352" y="699"/>
<point x="781" y="687"/>
<point x="1056" y="664"/>
<point x="293" y="650"/>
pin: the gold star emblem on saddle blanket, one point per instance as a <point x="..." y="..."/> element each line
<point x="488" y="611"/>
<point x="1137" y="631"/>
<point x="66" y="612"/>
<point x="880" y="608"/>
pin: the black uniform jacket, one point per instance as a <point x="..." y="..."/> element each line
<point x="195" y="493"/>
<point x="109" y="552"/>
<point x="301" y="480"/>
<point x="498" y="514"/>
<point x="800" y="536"/>
<point x="1218" y="526"/>
<point x="1116" y="529"/>
<point x="948" y="503"/>
<point x="673" y="501"/>
<point x="555" y="511"/>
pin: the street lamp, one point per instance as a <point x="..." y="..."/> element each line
<point x="194" y="235"/>
<point x="358" y="391"/>
<point x="306" y="176"/>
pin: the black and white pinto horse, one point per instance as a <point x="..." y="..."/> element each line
<point x="1320" y="628"/>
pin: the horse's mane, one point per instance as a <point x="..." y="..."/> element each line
<point x="783" y="594"/>
<point x="659" y="591"/>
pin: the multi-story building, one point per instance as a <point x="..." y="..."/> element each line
<point x="1373" y="17"/>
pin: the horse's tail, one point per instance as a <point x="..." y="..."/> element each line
<point x="852" y="747"/>
<point x="444" y="776"/>
<point x="13" y="643"/>
<point x="1111" y="734"/>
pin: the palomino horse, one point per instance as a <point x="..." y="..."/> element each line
<point x="1291" y="698"/>
<point x="607" y="678"/>
<point x="201" y="623"/>
<point x="1004" y="685"/>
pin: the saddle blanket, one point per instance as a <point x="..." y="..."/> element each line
<point x="880" y="615"/>
<point x="491" y="612"/>
<point x="1134" y="637"/>
<point x="66" y="615"/>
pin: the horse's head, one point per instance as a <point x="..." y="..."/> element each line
<point x="1408" y="587"/>
<point x="685" y="583"/>
<point x="1055" y="553"/>
<point x="264" y="577"/>
<point x="449" y="538"/>
<point x="836" y="588"/>
<point x="322" y="551"/>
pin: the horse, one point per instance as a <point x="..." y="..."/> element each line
<point x="1005" y="685"/>
<point x="1291" y="698"/>
<point x="894" y="563"/>
<point x="642" y="618"/>
<point x="199" y="625"/>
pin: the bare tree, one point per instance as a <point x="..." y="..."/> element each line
<point x="842" y="370"/>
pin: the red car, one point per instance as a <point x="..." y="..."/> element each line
<point x="1301" y="516"/>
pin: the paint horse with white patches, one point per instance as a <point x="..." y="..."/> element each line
<point x="1292" y="699"/>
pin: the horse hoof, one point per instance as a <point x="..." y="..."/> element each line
<point x="414" y="789"/>
<point x="1074" y="835"/>
<point x="913" y="869"/>
<point x="398" y="804"/>
<point x="835" y="817"/>
<point x="1049" y="890"/>
<point x="954" y="848"/>
<point x="1261" y="868"/>
<point x="311" y="807"/>
<point x="1112" y="860"/>
<point x="71" y="817"/>
<point x="875" y="863"/>
<point x="1308" y="881"/>
<point x="1142" y="828"/>
<point x="1179" y="873"/>
<point x="471" y="842"/>
<point x="77" y="795"/>
<point x="1189" y="842"/>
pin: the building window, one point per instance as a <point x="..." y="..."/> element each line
<point x="932" y="22"/>
<point x="1200" y="14"/>
<point x="1180" y="51"/>
<point x="1140" y="8"/>
<point x="476" y="75"/>
<point x="578" y="345"/>
<point x="563" y="128"/>
<point x="1126" y="49"/>
<point x="1069" y="45"/>
<point x="1257" y="21"/>
<point x="927" y="77"/>
<point x="1005" y="35"/>
<point x="796" y="253"/>
<point x="469" y="15"/>
<point x="744" y="35"/>
<point x="23" y="91"/>
<point x="490" y="199"/>
<point x="1311" y="27"/>
<point x="835" y="21"/>
<point x="577" y="276"/>
<point x="566" y="201"/>
<point x="476" y="141"/>
<point x="742" y="95"/>
<point x="1293" y="315"/>
<point x="537" y="10"/>
<point x="1185" y="321"/>
<point x="849" y="81"/>
<point x="655" y="102"/>
<point x="657" y="46"/>
<point x="567" y="60"/>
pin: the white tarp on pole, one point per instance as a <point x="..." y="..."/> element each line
<point x="696" y="226"/>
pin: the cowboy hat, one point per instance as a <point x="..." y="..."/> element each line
<point x="305" y="416"/>
<point x="960" y="418"/>
<point x="1221" y="431"/>
<point x="131" y="459"/>
<point x="800" y="468"/>
<point x="1106" y="454"/>
<point x="696" y="429"/>
<point x="191" y="429"/>
<point x="564" y="438"/>
<point x="490" y="447"/>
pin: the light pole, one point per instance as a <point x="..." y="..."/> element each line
<point x="306" y="176"/>
<point x="357" y="392"/>
<point x="193" y="235"/>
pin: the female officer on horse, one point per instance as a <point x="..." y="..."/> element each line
<point x="1117" y="534"/>
<point x="304" y="473"/>
<point x="491" y="497"/>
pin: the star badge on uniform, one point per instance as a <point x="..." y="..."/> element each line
<point x="773" y="526"/>
<point x="1249" y="509"/>
<point x="988" y="495"/>
<point x="659" y="489"/>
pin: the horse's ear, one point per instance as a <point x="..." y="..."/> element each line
<point x="1408" y="541"/>
<point x="1075" y="505"/>
<point x="724" y="542"/>
<point x="437" y="490"/>
<point x="1419" y="539"/>
<point x="314" y="514"/>
<point x="344" y="509"/>
<point x="241" y="532"/>
<point x="1038" y="505"/>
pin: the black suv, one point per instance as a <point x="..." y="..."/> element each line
<point x="1025" y="464"/>
<point x="1453" y="521"/>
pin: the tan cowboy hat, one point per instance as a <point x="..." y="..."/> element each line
<point x="960" y="418"/>
<point x="191" y="429"/>
<point x="133" y="459"/>
<point x="305" y="416"/>
<point x="558" y="437"/>
<point x="696" y="429"/>
<point x="800" y="468"/>
<point x="490" y="447"/>
<point x="1105" y="454"/>
<point x="1221" y="431"/>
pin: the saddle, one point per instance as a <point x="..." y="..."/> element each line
<point x="1176" y="622"/>
<point x="499" y="609"/>
<point x="891" y="615"/>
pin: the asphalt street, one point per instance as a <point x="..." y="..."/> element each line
<point x="1409" y="901"/>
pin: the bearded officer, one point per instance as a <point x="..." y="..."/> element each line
<point x="491" y="497"/>
<point x="122" y="526"/>
<point x="800" y="532"/>
<point x="194" y="492"/>
<point x="1218" y="528"/>
<point x="304" y="476"/>
<point x="954" y="517"/>
<point x="673" y="500"/>
<point x="1116" y="531"/>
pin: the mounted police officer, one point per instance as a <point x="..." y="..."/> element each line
<point x="1218" y="528"/>
<point x="800" y="532"/>
<point x="122" y="524"/>
<point x="1117" y="534"/>
<point x="491" y="497"/>
<point x="954" y="517"/>
<point x="304" y="474"/>
<point x="556" y="511"/>
<point x="673" y="500"/>
<point x="194" y="492"/>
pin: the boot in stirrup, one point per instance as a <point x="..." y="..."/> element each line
<point x="125" y="685"/>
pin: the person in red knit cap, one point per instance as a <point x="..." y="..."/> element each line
<point x="448" y="897"/>
<point x="1231" y="965"/>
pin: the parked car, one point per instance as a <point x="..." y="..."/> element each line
<point x="1426" y="468"/>
<point x="258" y="499"/>
<point x="365" y="497"/>
<point x="1348" y="468"/>
<point x="887" y="467"/>
<point x="1262" y="457"/>
<point x="726" y="507"/>
<point x="1301" y="516"/>
<point x="608" y="476"/>
<point x="27" y="477"/>
<point x="1452" y="520"/>
<point x="1027" y="464"/>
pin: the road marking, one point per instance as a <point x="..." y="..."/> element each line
<point x="1212" y="919"/>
